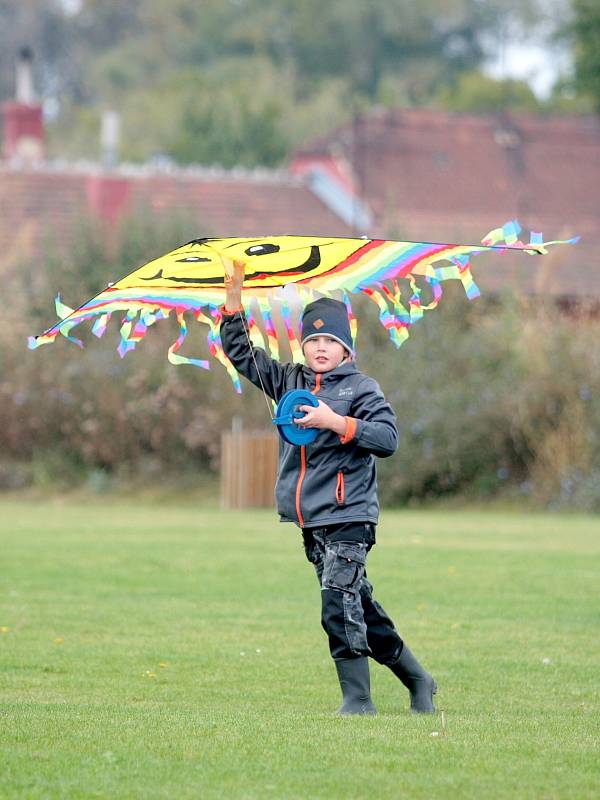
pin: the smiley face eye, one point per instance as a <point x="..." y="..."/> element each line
<point x="191" y="259"/>
<point x="262" y="249"/>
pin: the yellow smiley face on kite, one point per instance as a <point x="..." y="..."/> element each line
<point x="269" y="262"/>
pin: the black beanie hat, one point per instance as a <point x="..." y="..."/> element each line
<point x="327" y="317"/>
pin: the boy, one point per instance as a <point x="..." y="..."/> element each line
<point x="329" y="488"/>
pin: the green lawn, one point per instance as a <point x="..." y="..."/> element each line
<point x="176" y="652"/>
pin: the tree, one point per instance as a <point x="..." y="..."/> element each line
<point x="230" y="122"/>
<point x="243" y="81"/>
<point x="586" y="35"/>
<point x="474" y="91"/>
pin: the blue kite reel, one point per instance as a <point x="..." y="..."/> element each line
<point x="288" y="411"/>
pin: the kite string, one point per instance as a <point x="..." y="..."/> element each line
<point x="262" y="386"/>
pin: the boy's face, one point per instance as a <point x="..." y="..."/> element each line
<point x="323" y="353"/>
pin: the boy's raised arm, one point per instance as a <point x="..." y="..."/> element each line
<point x="252" y="362"/>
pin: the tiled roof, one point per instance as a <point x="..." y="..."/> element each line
<point x="37" y="209"/>
<point x="423" y="174"/>
<point x="452" y="177"/>
<point x="44" y="204"/>
<point x="242" y="206"/>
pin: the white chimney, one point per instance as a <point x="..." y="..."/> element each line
<point x="110" y="134"/>
<point x="24" y="83"/>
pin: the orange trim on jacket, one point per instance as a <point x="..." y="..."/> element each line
<point x="303" y="462"/>
<point x="299" y="484"/>
<point x="340" y="489"/>
<point x="350" y="432"/>
<point x="229" y="313"/>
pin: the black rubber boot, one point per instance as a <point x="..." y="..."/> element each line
<point x="353" y="674"/>
<point x="419" y="683"/>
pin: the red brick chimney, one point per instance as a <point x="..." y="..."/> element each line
<point x="24" y="136"/>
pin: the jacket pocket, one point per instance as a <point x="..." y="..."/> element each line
<point x="340" y="490"/>
<point x="344" y="565"/>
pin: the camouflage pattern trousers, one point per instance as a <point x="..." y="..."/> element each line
<point x="354" y="622"/>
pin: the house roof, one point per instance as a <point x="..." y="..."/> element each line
<point x="43" y="203"/>
<point x="415" y="174"/>
<point x="428" y="174"/>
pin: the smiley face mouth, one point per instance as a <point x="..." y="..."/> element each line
<point x="312" y="262"/>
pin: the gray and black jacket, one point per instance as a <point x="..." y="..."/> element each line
<point x="333" y="480"/>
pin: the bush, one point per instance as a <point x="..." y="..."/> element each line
<point x="71" y="413"/>
<point x="493" y="397"/>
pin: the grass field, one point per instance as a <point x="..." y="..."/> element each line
<point x="175" y="652"/>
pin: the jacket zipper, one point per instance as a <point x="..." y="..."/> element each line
<point x="303" y="463"/>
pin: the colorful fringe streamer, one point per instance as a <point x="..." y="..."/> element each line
<point x="174" y="356"/>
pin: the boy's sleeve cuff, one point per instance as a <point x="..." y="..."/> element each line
<point x="227" y="313"/>
<point x="350" y="432"/>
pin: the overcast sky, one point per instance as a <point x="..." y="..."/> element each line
<point x="540" y="66"/>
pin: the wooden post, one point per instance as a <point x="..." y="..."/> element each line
<point x="248" y="467"/>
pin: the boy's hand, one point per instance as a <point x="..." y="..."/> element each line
<point x="234" y="273"/>
<point x="234" y="280"/>
<point x="322" y="417"/>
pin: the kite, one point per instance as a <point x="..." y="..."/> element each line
<point x="282" y="272"/>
